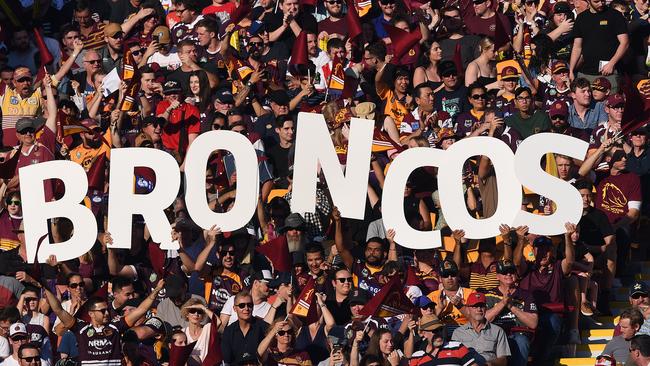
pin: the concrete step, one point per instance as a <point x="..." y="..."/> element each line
<point x="583" y="350"/>
<point x="591" y="336"/>
<point x="578" y="361"/>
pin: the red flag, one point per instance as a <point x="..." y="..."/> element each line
<point x="178" y="356"/>
<point x="240" y="12"/>
<point x="44" y="53"/>
<point x="404" y="44"/>
<point x="389" y="301"/>
<point x="299" y="54"/>
<point x="458" y="60"/>
<point x="8" y="167"/>
<point x="97" y="173"/>
<point x="157" y="258"/>
<point x="214" y="356"/>
<point x="305" y="306"/>
<point x="308" y="2"/>
<point x="363" y="6"/>
<point x="277" y="252"/>
<point x="382" y="142"/>
<point x="349" y="87"/>
<point x="411" y="278"/>
<point x="337" y="76"/>
<point x="352" y="21"/>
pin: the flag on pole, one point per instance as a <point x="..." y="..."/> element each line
<point x="131" y="77"/>
<point x="97" y="173"/>
<point x="363" y="6"/>
<point x="277" y="252"/>
<point x="352" y="20"/>
<point x="389" y="301"/>
<point x="337" y="76"/>
<point x="305" y="306"/>
<point x="214" y="356"/>
<point x="178" y="355"/>
<point x="404" y="44"/>
<point x="299" y="55"/>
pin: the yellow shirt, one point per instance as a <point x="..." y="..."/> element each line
<point x="13" y="108"/>
<point x="85" y="156"/>
<point x="451" y="314"/>
<point x="394" y="108"/>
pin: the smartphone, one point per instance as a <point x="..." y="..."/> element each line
<point x="156" y="38"/>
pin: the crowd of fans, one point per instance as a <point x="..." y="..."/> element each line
<point x="80" y="78"/>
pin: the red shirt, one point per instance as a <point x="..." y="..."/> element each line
<point x="185" y="114"/>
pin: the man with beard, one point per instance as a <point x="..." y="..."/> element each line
<point x="430" y="346"/>
<point x="111" y="53"/>
<point x="334" y="26"/>
<point x="559" y="114"/>
<point x="488" y="340"/>
<point x="363" y="270"/>
<point x="94" y="144"/>
<point x="221" y="275"/>
<point x="451" y="298"/>
<point x="294" y="229"/>
<point x="18" y="101"/>
<point x="514" y="310"/>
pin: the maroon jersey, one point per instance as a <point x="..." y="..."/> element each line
<point x="8" y="238"/>
<point x="615" y="192"/>
<point x="100" y="346"/>
<point x="546" y="285"/>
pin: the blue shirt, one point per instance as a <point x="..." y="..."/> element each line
<point x="379" y="26"/>
<point x="593" y="117"/>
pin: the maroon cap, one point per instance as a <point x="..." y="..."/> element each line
<point x="509" y="72"/>
<point x="476" y="298"/>
<point x="559" y="108"/>
<point x="559" y="66"/>
<point x="601" y="84"/>
<point x="615" y="99"/>
<point x="89" y="123"/>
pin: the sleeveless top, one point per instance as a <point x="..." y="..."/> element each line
<point x="316" y="348"/>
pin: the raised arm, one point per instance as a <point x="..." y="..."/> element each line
<point x="344" y="252"/>
<point x="145" y="305"/>
<point x="570" y="237"/>
<point x="67" y="65"/>
<point x="210" y="241"/>
<point x="114" y="266"/>
<point x="51" y="104"/>
<point x="67" y="320"/>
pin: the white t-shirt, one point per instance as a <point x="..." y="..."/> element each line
<point x="260" y="310"/>
<point x="201" y="347"/>
<point x="171" y="61"/>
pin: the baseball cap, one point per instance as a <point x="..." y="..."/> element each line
<point x="559" y="66"/>
<point x="163" y="34"/>
<point x="542" y="241"/>
<point x="174" y="286"/>
<point x="509" y="73"/>
<point x="476" y="298"/>
<point x="17" y="329"/>
<point x="561" y="7"/>
<point x="29" y="122"/>
<point x="279" y="97"/>
<point x="638" y="288"/>
<point x="558" y="108"/>
<point x="357" y="297"/>
<point x="171" y="87"/>
<point x="430" y="322"/>
<point x="282" y="278"/>
<point x="89" y="123"/>
<point x="601" y="84"/>
<point x="605" y="360"/>
<point x="615" y="99"/>
<point x="293" y="222"/>
<point x="447" y="268"/>
<point x="224" y="96"/>
<point x="447" y="68"/>
<point x="263" y="275"/>
<point x="505" y="266"/>
<point x="112" y="29"/>
<point x="423" y="301"/>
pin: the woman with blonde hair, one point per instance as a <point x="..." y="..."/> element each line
<point x="482" y="69"/>
<point x="198" y="329"/>
<point x="277" y="348"/>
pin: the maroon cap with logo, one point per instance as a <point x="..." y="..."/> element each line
<point x="559" y="108"/>
<point x="615" y="99"/>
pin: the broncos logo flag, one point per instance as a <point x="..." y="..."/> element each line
<point x="304" y="306"/>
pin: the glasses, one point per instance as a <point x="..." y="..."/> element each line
<point x="387" y="2"/>
<point x="103" y="311"/>
<point x="449" y="274"/>
<point x="509" y="272"/>
<point x="24" y="79"/>
<point x="479" y="96"/>
<point x="558" y="118"/>
<point x="258" y="44"/>
<point x="638" y="296"/>
<point x="245" y="305"/>
<point x="524" y="98"/>
<point x="334" y="2"/>
<point x="136" y="52"/>
<point x="32" y="359"/>
<point x="479" y="2"/>
<point x="74" y="285"/>
<point x="345" y="279"/>
<point x="227" y="252"/>
<point x="13" y="202"/>
<point x="27" y="130"/>
<point x="619" y="106"/>
<point x="20" y="339"/>
<point x="195" y="311"/>
<point x="180" y="11"/>
<point x="452" y="75"/>
<point x="93" y="62"/>
<point x="283" y="333"/>
<point x="118" y="35"/>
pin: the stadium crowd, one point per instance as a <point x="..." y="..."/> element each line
<point x="80" y="78"/>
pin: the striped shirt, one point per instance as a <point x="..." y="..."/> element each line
<point x="451" y="354"/>
<point x="481" y="277"/>
<point x="13" y="108"/>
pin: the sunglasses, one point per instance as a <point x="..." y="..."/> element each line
<point x="103" y="311"/>
<point x="449" y="274"/>
<point x="558" y="118"/>
<point x="430" y="306"/>
<point x="334" y="2"/>
<point x="13" y="202"/>
<point x="478" y="2"/>
<point x="74" y="285"/>
<point x="509" y="272"/>
<point x="195" y="311"/>
<point x="479" y="96"/>
<point x="32" y="359"/>
<point x="217" y="126"/>
<point x="227" y="252"/>
<point x="345" y="279"/>
<point x="93" y="62"/>
<point x="282" y="333"/>
<point x="27" y="130"/>
<point x="118" y="35"/>
<point x="450" y="75"/>
<point x="245" y="305"/>
<point x="638" y="296"/>
<point x="24" y="79"/>
<point x="19" y="339"/>
<point x="257" y="44"/>
<point x="30" y="299"/>
<point x="388" y="2"/>
<point x="136" y="53"/>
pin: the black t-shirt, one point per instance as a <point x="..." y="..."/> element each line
<point x="453" y="102"/>
<point x="599" y="33"/>
<point x="183" y="77"/>
<point x="279" y="158"/>
<point x="120" y="10"/>
<point x="305" y="21"/>
<point x="594" y="227"/>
